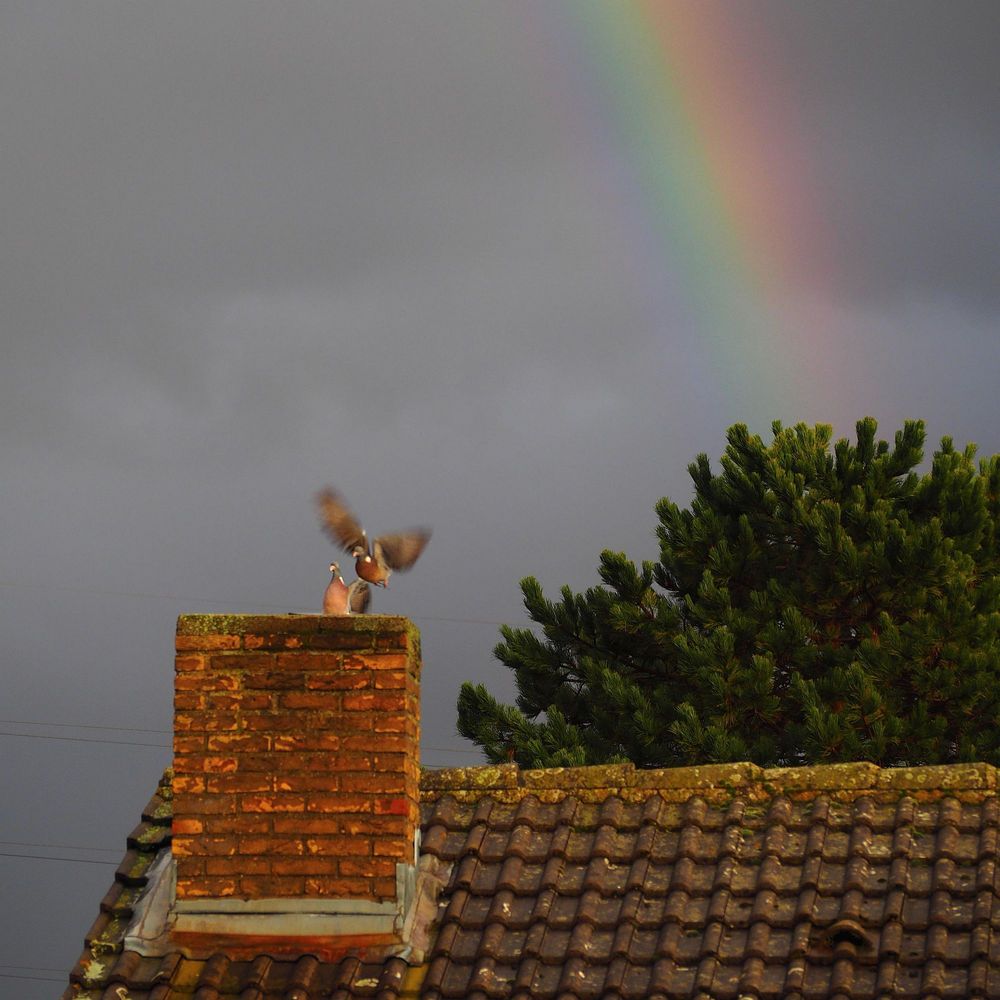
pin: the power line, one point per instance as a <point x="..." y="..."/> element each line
<point x="30" y="968"/>
<point x="83" y="739"/>
<point x="48" y="857"/>
<point x="81" y="725"/>
<point x="37" y="979"/>
<point x="130" y="743"/>
<point x="59" y="847"/>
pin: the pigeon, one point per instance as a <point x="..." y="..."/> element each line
<point x="341" y="599"/>
<point x="374" y="562"/>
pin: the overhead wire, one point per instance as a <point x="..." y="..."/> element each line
<point x="84" y="739"/>
<point x="59" y="847"/>
<point x="37" y="979"/>
<point x="47" y="857"/>
<point x="132" y="743"/>
<point x="81" y="725"/>
<point x="29" y="968"/>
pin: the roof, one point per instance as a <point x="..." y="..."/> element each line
<point x="725" y="881"/>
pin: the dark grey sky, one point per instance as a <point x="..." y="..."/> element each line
<point x="250" y="248"/>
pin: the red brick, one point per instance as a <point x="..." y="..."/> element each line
<point x="205" y="805"/>
<point x="386" y="784"/>
<point x="213" y="845"/>
<point x="310" y="661"/>
<point x="238" y="866"/>
<point x="391" y="722"/>
<point x="362" y="725"/>
<point x="274" y="641"/>
<point x="241" y="661"/>
<point x="359" y="702"/>
<point x="299" y="763"/>
<point x="333" y="640"/>
<point x="219" y="722"/>
<point x="394" y="807"/>
<point x="305" y="742"/>
<point x="188" y="867"/>
<point x="264" y="762"/>
<point x="343" y="888"/>
<point x="394" y="701"/>
<point x="182" y="847"/>
<point x="310" y="699"/>
<point x="191" y="784"/>
<point x="273" y="680"/>
<point x="358" y="741"/>
<point x="206" y="682"/>
<point x="310" y="865"/>
<point x="271" y="845"/>
<point x="337" y="846"/>
<point x="241" y="782"/>
<point x="385" y="888"/>
<point x="189" y="744"/>
<point x="327" y="825"/>
<point x="239" y="742"/>
<point x="238" y="701"/>
<point x="186" y="825"/>
<point x="206" y="642"/>
<point x="369" y="867"/>
<point x="256" y="823"/>
<point x="311" y="782"/>
<point x="338" y="803"/>
<point x="351" y="761"/>
<point x="355" y="662"/>
<point x="392" y="746"/>
<point x="344" y="681"/>
<point x="390" y="661"/>
<point x="390" y="758"/>
<point x="311" y="729"/>
<point x="392" y="847"/>
<point x="389" y="827"/>
<point x="196" y="764"/>
<point x="275" y="802"/>
<point x="211" y="887"/>
<point x="212" y="722"/>
<point x="390" y="679"/>
<point x="272" y="722"/>
<point x="263" y="886"/>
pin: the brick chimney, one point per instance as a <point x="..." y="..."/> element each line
<point x="296" y="771"/>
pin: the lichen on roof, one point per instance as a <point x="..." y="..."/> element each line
<point x="714" y="782"/>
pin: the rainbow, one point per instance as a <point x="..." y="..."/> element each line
<point x="714" y="196"/>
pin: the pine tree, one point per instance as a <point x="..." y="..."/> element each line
<point x="814" y="603"/>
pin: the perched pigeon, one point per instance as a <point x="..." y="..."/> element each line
<point x="341" y="599"/>
<point x="374" y="562"/>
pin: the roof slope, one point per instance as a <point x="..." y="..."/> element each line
<point x="717" y="882"/>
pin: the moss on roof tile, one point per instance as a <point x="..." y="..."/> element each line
<point x="488" y="776"/>
<point x="714" y="781"/>
<point x="600" y="776"/>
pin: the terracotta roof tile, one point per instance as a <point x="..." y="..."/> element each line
<point x="722" y="882"/>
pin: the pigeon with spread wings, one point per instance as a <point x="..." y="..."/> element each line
<point x="341" y="599"/>
<point x="374" y="562"/>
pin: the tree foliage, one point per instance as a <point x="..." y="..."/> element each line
<point x="815" y="602"/>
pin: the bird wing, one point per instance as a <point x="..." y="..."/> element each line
<point x="402" y="550"/>
<point x="360" y="597"/>
<point x="338" y="522"/>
